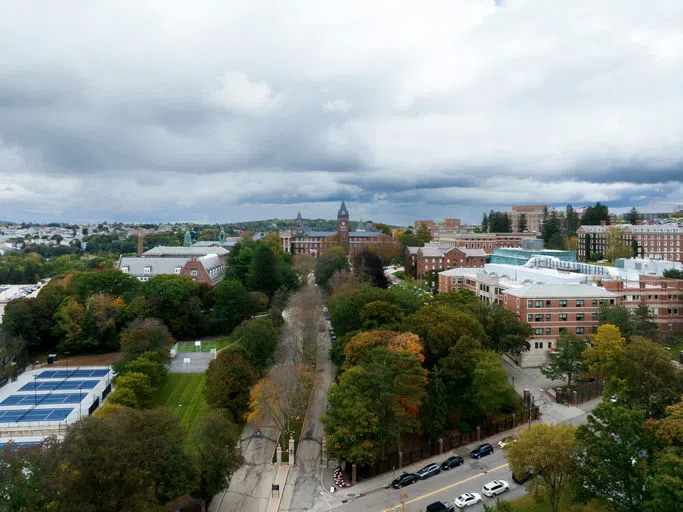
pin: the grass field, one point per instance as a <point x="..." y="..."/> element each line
<point x="188" y="346"/>
<point x="183" y="393"/>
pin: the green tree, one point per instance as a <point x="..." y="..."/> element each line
<point x="12" y="349"/>
<point x="259" y="339"/>
<point x="616" y="449"/>
<point x="593" y="215"/>
<point x="522" y="223"/>
<point x="125" y="459"/>
<point x="380" y="314"/>
<point x="485" y="224"/>
<point x="368" y="265"/>
<point x="263" y="272"/>
<point x="146" y="335"/>
<point x="106" y="281"/>
<point x="147" y="363"/>
<point x="504" y="330"/>
<point x="424" y="234"/>
<point x="168" y="297"/>
<point x="351" y="424"/>
<point x="673" y="274"/>
<point x="232" y="305"/>
<point x="645" y="325"/>
<point x="329" y="262"/>
<point x="549" y="452"/>
<point x="141" y="386"/>
<point x="572" y="221"/>
<point x="490" y="389"/>
<point x="440" y="327"/>
<point x="69" y="320"/>
<point x="436" y="417"/>
<point x="615" y="244"/>
<point x="218" y="458"/>
<point x="228" y="381"/>
<point x="566" y="361"/>
<point x="620" y="317"/>
<point x="632" y="217"/>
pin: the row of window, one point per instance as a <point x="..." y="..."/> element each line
<point x="540" y="331"/>
<point x="539" y="303"/>
<point x="563" y="317"/>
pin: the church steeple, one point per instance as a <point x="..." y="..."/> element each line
<point x="299" y="226"/>
<point x="188" y="239"/>
<point x="221" y="237"/>
<point x="343" y="222"/>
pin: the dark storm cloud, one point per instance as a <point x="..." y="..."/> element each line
<point x="210" y="109"/>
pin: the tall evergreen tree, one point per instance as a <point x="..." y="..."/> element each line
<point x="594" y="214"/>
<point x="522" y="223"/>
<point x="485" y="224"/>
<point x="632" y="217"/>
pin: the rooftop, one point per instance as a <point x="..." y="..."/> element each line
<point x="185" y="251"/>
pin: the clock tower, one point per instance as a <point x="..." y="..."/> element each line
<point x="343" y="222"/>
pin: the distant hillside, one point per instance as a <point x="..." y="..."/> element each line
<point x="282" y="224"/>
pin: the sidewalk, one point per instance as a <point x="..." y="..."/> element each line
<point x="280" y="479"/>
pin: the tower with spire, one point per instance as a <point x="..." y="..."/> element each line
<point x="343" y="222"/>
<point x="188" y="239"/>
<point x="299" y="226"/>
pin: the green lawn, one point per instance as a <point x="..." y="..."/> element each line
<point x="188" y="346"/>
<point x="183" y="393"/>
<point x="528" y="503"/>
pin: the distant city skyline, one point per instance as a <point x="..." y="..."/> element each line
<point x="228" y="111"/>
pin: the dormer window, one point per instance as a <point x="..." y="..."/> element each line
<point x="148" y="269"/>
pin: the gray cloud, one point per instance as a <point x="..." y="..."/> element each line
<point x="226" y="111"/>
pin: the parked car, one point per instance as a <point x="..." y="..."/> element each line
<point x="495" y="488"/>
<point x="429" y="470"/>
<point x="468" y="499"/>
<point x="403" y="480"/>
<point x="506" y="441"/>
<point x="440" y="506"/>
<point x="452" y="462"/>
<point x="522" y="478"/>
<point x="481" y="451"/>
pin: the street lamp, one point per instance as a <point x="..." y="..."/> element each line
<point x="326" y="501"/>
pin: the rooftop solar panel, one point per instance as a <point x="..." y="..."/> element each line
<point x="63" y="385"/>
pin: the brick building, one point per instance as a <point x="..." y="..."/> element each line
<point x="443" y="257"/>
<point x="656" y="241"/>
<point x="664" y="298"/>
<point x="485" y="241"/>
<point x="302" y="240"/>
<point x="533" y="214"/>
<point x="208" y="269"/>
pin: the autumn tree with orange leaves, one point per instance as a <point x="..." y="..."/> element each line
<point x="361" y="344"/>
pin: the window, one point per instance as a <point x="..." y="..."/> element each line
<point x="579" y="330"/>
<point x="530" y="303"/>
<point x="563" y="303"/>
<point x="563" y="317"/>
<point x="547" y="303"/>
<point x="594" y="329"/>
<point x="529" y="317"/>
<point x="579" y="317"/>
<point x="539" y="304"/>
<point x="594" y="316"/>
<point x="579" y="303"/>
<point x="539" y="331"/>
<point x="148" y="270"/>
<point x="595" y="302"/>
<point x="125" y="270"/>
<point x="547" y="317"/>
<point x="177" y="270"/>
<point x="539" y="318"/>
<point x="193" y="272"/>
<point x="547" y="331"/>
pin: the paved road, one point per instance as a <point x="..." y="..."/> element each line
<point x="302" y="491"/>
<point x="250" y="486"/>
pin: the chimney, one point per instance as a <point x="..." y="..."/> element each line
<point x="603" y="222"/>
<point x="139" y="244"/>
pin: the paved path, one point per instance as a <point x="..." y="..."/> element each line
<point x="302" y="491"/>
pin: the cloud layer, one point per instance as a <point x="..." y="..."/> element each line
<point x="221" y="111"/>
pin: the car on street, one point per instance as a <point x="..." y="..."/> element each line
<point x="468" y="499"/>
<point x="403" y="480"/>
<point x="440" y="506"/>
<point x="481" y="451"/>
<point x="452" y="462"/>
<point x="429" y="470"/>
<point x="495" y="488"/>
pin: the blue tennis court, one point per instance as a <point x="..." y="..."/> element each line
<point x="51" y="385"/>
<point x="75" y="373"/>
<point x="45" y="399"/>
<point x="30" y="415"/>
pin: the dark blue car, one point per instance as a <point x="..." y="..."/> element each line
<point x="481" y="451"/>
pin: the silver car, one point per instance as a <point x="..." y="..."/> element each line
<point x="495" y="488"/>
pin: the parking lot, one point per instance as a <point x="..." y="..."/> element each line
<point x="10" y="292"/>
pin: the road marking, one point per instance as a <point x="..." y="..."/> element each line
<point x="396" y="507"/>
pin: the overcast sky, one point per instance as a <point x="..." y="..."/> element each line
<point x="226" y="110"/>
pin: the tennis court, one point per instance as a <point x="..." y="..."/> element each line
<point x="30" y="415"/>
<point x="50" y="385"/>
<point x="78" y="374"/>
<point x="44" y="399"/>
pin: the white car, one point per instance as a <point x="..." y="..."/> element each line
<point x="495" y="488"/>
<point x="468" y="499"/>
